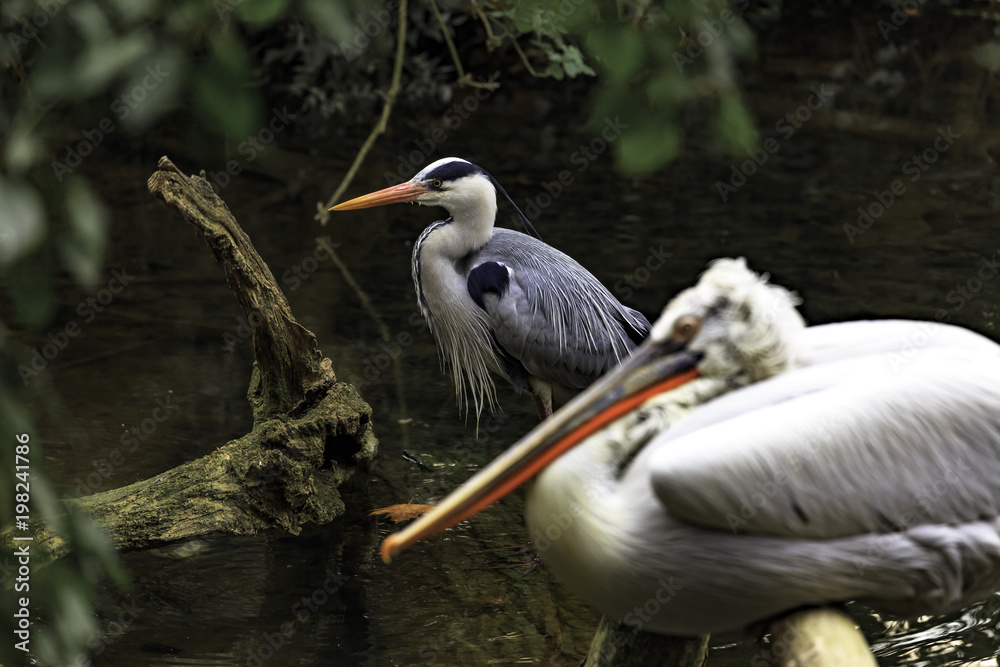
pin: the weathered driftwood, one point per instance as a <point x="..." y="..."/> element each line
<point x="617" y="645"/>
<point x="310" y="431"/>
<point x="818" y="637"/>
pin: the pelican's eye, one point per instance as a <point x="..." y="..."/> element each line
<point x="437" y="183"/>
<point x="686" y="328"/>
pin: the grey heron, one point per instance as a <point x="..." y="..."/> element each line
<point x="784" y="466"/>
<point x="501" y="301"/>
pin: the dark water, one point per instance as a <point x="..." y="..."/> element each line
<point x="172" y="335"/>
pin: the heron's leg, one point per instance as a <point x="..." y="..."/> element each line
<point x="543" y="407"/>
<point x="541" y="393"/>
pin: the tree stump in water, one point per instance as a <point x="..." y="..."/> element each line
<point x="310" y="431"/>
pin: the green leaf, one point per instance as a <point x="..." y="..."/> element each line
<point x="261" y="11"/>
<point x="572" y="61"/>
<point x="668" y="89"/>
<point x="151" y="90"/>
<point x="22" y="220"/>
<point x="31" y="290"/>
<point x="231" y="110"/>
<point x="229" y="54"/>
<point x="83" y="248"/>
<point x="136" y="10"/>
<point x="647" y="146"/>
<point x="221" y="89"/>
<point x="24" y="149"/>
<point x="734" y="125"/>
<point x="619" y="50"/>
<point x="93" y="70"/>
<point x="330" y="19"/>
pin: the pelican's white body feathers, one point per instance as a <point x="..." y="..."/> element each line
<point x="868" y="469"/>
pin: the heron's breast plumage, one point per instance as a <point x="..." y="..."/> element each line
<point x="460" y="328"/>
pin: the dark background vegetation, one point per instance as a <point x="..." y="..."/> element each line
<point x="86" y="81"/>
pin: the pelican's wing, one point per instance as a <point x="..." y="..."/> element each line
<point x="548" y="313"/>
<point x="878" y="443"/>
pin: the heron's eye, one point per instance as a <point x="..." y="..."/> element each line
<point x="686" y="328"/>
<point x="437" y="183"/>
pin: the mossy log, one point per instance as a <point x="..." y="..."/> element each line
<point x="310" y="431"/>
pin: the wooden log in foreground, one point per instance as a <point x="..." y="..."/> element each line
<point x="310" y="433"/>
<point x="815" y="637"/>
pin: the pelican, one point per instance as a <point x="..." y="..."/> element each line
<point x="501" y="301"/>
<point x="741" y="465"/>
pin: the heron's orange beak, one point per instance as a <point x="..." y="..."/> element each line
<point x="403" y="192"/>
<point x="651" y="370"/>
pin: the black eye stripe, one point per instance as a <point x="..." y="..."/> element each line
<point x="454" y="170"/>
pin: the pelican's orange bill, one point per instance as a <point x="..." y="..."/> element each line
<point x="404" y="192"/>
<point x="647" y="373"/>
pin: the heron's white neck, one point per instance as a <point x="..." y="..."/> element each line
<point x="472" y="203"/>
<point x="458" y="324"/>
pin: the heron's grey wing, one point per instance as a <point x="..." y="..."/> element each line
<point x="872" y="444"/>
<point x="554" y="317"/>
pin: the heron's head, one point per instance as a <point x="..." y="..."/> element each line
<point x="455" y="184"/>
<point x="732" y="326"/>
<point x="743" y="328"/>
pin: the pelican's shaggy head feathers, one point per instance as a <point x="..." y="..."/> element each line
<point x="745" y="327"/>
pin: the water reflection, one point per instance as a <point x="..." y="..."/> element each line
<point x="174" y="332"/>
